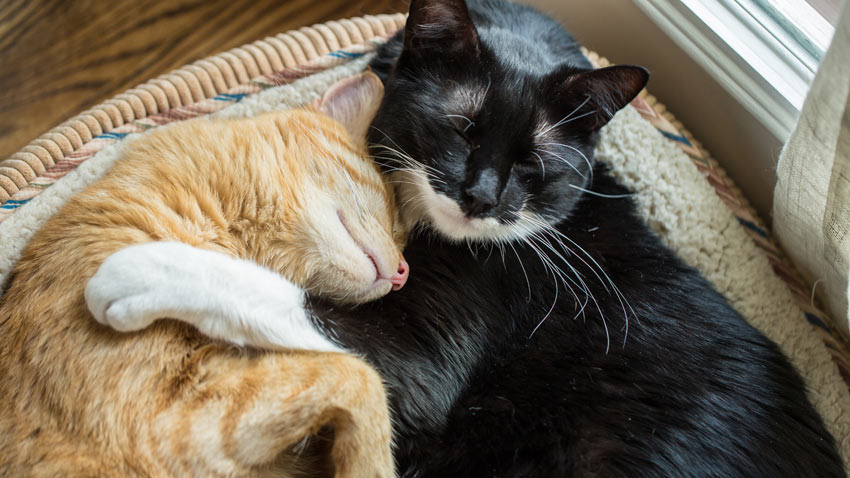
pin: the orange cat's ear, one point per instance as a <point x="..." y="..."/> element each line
<point x="353" y="102"/>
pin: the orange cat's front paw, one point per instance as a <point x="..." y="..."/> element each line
<point x="223" y="297"/>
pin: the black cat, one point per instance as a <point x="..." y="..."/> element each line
<point x="546" y="332"/>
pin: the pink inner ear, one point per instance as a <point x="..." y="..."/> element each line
<point x="353" y="102"/>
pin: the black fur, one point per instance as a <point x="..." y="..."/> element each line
<point x="684" y="388"/>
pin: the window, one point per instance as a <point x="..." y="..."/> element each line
<point x="796" y="24"/>
<point x="764" y="52"/>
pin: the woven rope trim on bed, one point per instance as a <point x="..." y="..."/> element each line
<point x="203" y="79"/>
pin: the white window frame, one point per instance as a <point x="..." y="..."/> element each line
<point x="746" y="54"/>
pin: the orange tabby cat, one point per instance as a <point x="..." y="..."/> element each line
<point x="292" y="191"/>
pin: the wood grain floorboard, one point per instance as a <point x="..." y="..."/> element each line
<point x="58" y="58"/>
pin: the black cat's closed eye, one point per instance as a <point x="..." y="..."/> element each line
<point x="462" y="126"/>
<point x="463" y="135"/>
<point x="469" y="142"/>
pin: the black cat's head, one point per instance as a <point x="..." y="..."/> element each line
<point x="487" y="137"/>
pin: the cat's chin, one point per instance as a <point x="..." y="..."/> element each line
<point x="422" y="204"/>
<point x="446" y="218"/>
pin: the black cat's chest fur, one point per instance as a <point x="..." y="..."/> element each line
<point x="671" y="382"/>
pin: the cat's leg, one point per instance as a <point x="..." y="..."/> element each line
<point x="225" y="298"/>
<point x="241" y="412"/>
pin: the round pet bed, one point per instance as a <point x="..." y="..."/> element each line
<point x="681" y="192"/>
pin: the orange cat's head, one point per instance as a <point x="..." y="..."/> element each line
<point x="345" y="228"/>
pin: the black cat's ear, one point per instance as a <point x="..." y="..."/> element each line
<point x="594" y="96"/>
<point x="440" y="26"/>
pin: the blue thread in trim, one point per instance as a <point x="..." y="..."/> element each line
<point x="111" y="135"/>
<point x="345" y="55"/>
<point x="13" y="204"/>
<point x="749" y="225"/>
<point x="675" y="137"/>
<point x="230" y="97"/>
<point x="814" y="320"/>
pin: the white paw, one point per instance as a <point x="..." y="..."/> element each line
<point x="137" y="285"/>
<point x="225" y="298"/>
<point x="129" y="314"/>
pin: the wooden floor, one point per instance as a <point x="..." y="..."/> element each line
<point x="58" y="58"/>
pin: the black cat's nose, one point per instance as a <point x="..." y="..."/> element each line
<point x="483" y="194"/>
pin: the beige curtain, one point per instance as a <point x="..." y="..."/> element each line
<point x="811" y="209"/>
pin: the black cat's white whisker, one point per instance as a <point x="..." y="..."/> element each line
<point x="566" y="280"/>
<point x="490" y="253"/>
<point x="557" y="234"/>
<point x="624" y="303"/>
<point x="399" y="151"/>
<point x="542" y="166"/>
<point x="584" y="156"/>
<point x="584" y="284"/>
<point x="570" y="252"/>
<point x="578" y="117"/>
<point x="594" y="193"/>
<point x="417" y="167"/>
<point x="386" y="136"/>
<point x="538" y="237"/>
<point x="411" y="183"/>
<point x="407" y="164"/>
<point x="411" y="199"/>
<point x="469" y="122"/>
<point x="546" y="261"/>
<point x="522" y="266"/>
<point x="586" y="160"/>
<point x="410" y="167"/>
<point x="402" y="156"/>
<point x="567" y="263"/>
<point x="566" y="118"/>
<point x="469" y="246"/>
<point x="551" y="308"/>
<point x="588" y="293"/>
<point x="398" y="169"/>
<point x="557" y="273"/>
<point x="565" y="161"/>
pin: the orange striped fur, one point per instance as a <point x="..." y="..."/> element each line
<point x="79" y="399"/>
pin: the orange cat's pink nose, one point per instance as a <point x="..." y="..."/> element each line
<point x="400" y="278"/>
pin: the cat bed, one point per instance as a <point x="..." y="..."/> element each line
<point x="681" y="192"/>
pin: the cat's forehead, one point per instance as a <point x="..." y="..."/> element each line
<point x="467" y="97"/>
<point x="499" y="93"/>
